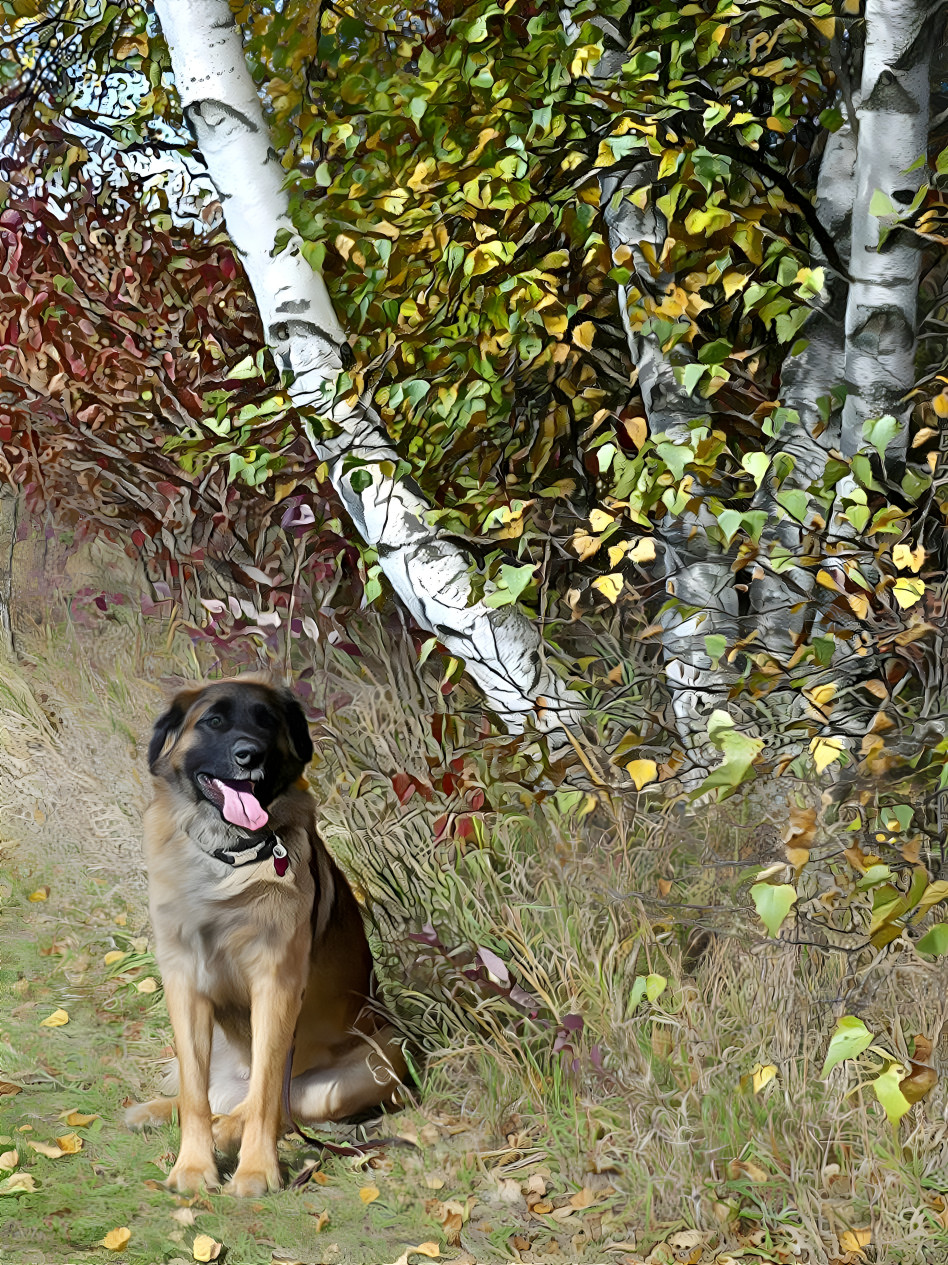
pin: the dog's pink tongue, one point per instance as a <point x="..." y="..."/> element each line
<point x="241" y="808"/>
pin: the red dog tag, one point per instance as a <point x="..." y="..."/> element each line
<point x="280" y="860"/>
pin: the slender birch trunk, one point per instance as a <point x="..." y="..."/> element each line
<point x="893" y="121"/>
<point x="501" y="648"/>
<point x="696" y="573"/>
<point x="780" y="600"/>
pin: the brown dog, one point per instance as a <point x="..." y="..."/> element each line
<point x="259" y="939"/>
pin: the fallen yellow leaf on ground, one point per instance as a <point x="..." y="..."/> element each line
<point x="8" y="1087"/>
<point x="322" y="1220"/>
<point x="115" y="955"/>
<point x="429" y="1249"/>
<point x="148" y="985"/>
<point x="77" y="1118"/>
<point x="41" y="893"/>
<point x="369" y="1193"/>
<point x="70" y="1143"/>
<point x="855" y="1240"/>
<point x="45" y="1148"/>
<point x="204" y="1248"/>
<point x="55" y="1020"/>
<point x="17" y="1181"/>
<point x="116" y="1240"/>
<point x="9" y="1159"/>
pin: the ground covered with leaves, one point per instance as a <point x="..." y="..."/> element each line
<point x="621" y="1064"/>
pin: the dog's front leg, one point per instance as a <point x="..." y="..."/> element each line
<point x="274" y="1009"/>
<point x="192" y="1019"/>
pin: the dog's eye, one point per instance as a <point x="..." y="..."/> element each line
<point x="214" y="722"/>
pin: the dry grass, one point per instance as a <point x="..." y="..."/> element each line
<point x="655" y="1102"/>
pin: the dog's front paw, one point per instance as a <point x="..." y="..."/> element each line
<point x="189" y="1178"/>
<point x="252" y="1181"/>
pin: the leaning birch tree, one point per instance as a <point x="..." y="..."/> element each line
<point x="429" y="574"/>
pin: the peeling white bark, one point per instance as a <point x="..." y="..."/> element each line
<point x="893" y="121"/>
<point x="501" y="648"/>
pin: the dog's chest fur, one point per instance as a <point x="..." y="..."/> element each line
<point x="222" y="925"/>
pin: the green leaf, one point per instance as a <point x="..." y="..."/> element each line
<point x="887" y="1090"/>
<point x="715" y="647"/>
<point x="729" y="521"/>
<point x="691" y="375"/>
<point x="850" y="1038"/>
<point x="739" y="753"/>
<point x="880" y="432"/>
<point x="881" y="204"/>
<point x="360" y="480"/>
<point x="773" y="902"/>
<point x="655" y="986"/>
<point x="795" y="502"/>
<point x="756" y="464"/>
<point x="935" y="940"/>
<point x="676" y="457"/>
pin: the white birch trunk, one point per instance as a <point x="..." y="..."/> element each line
<point x="780" y="602"/>
<point x="696" y="573"/>
<point x="893" y="123"/>
<point x="501" y="648"/>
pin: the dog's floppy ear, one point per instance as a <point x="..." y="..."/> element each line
<point x="166" y="726"/>
<point x="297" y="727"/>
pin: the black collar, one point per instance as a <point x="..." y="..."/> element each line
<point x="250" y="851"/>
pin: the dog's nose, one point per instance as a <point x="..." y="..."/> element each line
<point x="246" y="755"/>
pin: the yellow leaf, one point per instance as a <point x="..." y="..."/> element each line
<point x="637" y="430"/>
<point x="762" y="1075"/>
<point x="77" y="1119"/>
<point x="55" y="1020"/>
<point x="908" y="592"/>
<point x="9" y="1159"/>
<point x="822" y="694"/>
<point x="904" y="557"/>
<point x="430" y="1249"/>
<point x="204" y="1248"/>
<point x="610" y="586"/>
<point x="643" y="550"/>
<point x="322" y="1220"/>
<point x="584" y="1198"/>
<point x="825" y="26"/>
<point x="859" y="604"/>
<point x="825" y="751"/>
<point x="940" y="404"/>
<point x="17" y="1181"/>
<point x="116" y="955"/>
<point x="826" y="580"/>
<point x="642" y="772"/>
<point x="117" y="1240"/>
<point x="120" y="920"/>
<point x="599" y="520"/>
<point x="555" y="324"/>
<point x="584" y="334"/>
<point x="733" y="281"/>
<point x="45" y="1148"/>
<point x="368" y="1194"/>
<point x="669" y="163"/>
<point x="855" y="1240"/>
<point x="148" y="985"/>
<point x="617" y="553"/>
<point x="70" y="1143"/>
<point x="41" y="893"/>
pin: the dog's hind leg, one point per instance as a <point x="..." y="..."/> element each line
<point x="143" y="1115"/>
<point x="367" y="1075"/>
